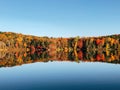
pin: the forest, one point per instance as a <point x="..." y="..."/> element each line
<point x="17" y="49"/>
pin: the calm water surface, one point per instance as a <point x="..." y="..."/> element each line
<point x="61" y="76"/>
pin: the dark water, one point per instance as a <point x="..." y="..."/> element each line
<point x="61" y="76"/>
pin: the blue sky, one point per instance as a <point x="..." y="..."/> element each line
<point x="56" y="18"/>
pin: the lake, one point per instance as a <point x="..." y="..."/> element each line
<point x="61" y="75"/>
<point x="76" y="69"/>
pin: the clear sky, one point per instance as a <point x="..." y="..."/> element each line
<point x="58" y="18"/>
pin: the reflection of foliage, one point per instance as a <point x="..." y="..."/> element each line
<point x="39" y="56"/>
<point x="19" y="58"/>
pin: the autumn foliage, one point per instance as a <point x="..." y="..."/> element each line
<point x="20" y="49"/>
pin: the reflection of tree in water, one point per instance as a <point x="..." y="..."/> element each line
<point x="2" y="49"/>
<point x="19" y="58"/>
